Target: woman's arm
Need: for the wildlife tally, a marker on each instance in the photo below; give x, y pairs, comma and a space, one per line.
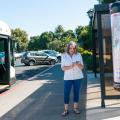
79, 65
64, 68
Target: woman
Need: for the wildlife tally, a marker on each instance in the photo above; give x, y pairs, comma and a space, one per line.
72, 66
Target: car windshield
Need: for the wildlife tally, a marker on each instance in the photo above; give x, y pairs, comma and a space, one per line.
51, 53
42, 54
25, 54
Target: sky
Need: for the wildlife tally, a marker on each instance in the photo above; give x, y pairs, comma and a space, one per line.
37, 16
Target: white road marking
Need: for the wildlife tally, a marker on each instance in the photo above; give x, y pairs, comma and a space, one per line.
40, 73
115, 118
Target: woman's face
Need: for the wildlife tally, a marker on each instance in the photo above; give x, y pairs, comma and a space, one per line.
72, 49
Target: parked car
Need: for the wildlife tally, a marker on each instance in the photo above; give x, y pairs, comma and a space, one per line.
37, 57
18, 55
53, 53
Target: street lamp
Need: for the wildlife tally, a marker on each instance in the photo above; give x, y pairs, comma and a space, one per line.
90, 15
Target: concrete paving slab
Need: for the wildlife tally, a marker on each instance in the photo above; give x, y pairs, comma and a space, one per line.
94, 110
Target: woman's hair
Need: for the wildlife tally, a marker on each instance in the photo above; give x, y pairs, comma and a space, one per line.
69, 44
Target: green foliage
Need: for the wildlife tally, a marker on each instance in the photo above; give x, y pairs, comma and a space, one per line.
59, 39
84, 52
34, 43
87, 57
59, 29
41, 42
107, 1
83, 35
68, 36
56, 45
21, 37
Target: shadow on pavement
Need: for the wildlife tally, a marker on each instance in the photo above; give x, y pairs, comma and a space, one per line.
29, 72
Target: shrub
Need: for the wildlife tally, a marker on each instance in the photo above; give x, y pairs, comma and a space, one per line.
87, 57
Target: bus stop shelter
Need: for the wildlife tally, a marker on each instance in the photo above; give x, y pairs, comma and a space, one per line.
102, 52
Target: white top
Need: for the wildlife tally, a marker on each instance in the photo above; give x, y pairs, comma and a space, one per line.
74, 73
4, 29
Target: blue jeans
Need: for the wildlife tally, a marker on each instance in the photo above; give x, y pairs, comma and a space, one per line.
76, 90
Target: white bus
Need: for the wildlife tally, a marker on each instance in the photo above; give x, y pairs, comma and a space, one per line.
7, 70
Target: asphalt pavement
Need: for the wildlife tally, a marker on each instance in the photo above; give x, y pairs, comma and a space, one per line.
26, 72
46, 102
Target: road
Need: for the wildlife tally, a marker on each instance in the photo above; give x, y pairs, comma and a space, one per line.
46, 102
25, 72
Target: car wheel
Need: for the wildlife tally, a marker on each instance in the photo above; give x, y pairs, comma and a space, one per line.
26, 64
31, 63
52, 62
59, 59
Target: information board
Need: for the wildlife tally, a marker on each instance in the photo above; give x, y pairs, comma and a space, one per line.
115, 26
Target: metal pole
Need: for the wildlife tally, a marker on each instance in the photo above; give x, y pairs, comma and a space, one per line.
12, 51
94, 53
101, 62
91, 37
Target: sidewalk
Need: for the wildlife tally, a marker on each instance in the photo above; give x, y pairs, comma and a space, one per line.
94, 110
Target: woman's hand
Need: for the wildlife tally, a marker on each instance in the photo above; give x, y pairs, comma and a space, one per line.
74, 64
67, 67
78, 64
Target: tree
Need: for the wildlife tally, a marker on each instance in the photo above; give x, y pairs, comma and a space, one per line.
69, 33
83, 35
45, 38
34, 43
59, 30
56, 45
107, 1
21, 37
78, 31
60, 38
68, 36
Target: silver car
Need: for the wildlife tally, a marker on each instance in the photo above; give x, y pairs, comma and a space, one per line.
37, 57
